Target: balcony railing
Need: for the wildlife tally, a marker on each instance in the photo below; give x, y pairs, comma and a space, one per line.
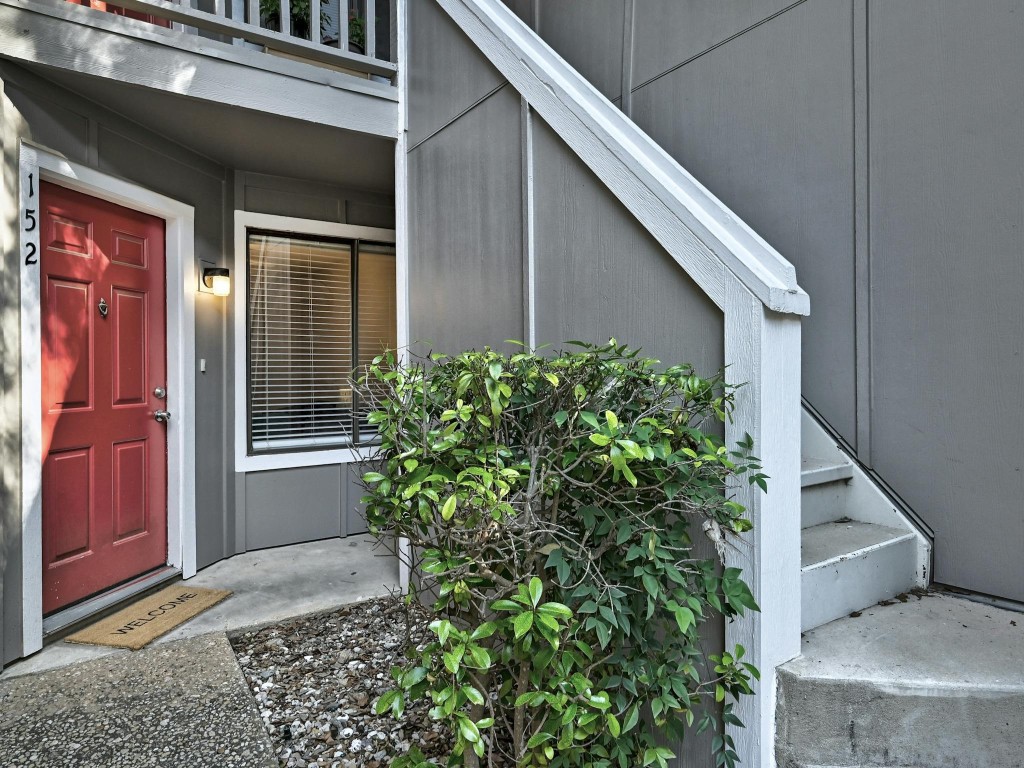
355, 36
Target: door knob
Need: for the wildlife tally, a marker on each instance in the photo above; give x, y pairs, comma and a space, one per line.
160, 393
162, 416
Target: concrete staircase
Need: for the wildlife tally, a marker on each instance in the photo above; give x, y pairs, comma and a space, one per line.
857, 548
889, 673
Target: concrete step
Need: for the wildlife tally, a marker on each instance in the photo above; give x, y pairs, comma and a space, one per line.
934, 682
824, 497
850, 565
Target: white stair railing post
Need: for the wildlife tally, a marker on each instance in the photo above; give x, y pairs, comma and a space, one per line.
285, 17
762, 352
370, 26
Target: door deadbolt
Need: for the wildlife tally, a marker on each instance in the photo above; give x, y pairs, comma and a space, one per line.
160, 393
103, 308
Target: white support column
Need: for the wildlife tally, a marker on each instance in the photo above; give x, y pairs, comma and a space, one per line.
400, 33
370, 26
285, 18
762, 351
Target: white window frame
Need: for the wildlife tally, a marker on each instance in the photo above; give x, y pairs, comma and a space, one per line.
244, 221
49, 165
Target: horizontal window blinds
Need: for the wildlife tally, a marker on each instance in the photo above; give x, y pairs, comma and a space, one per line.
310, 338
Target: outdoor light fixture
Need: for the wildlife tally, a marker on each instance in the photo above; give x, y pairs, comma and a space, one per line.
218, 280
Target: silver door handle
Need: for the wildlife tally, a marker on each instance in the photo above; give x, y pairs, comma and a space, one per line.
162, 416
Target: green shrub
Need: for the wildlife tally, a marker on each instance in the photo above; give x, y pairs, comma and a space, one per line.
549, 502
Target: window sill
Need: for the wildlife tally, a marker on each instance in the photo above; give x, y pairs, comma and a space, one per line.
269, 461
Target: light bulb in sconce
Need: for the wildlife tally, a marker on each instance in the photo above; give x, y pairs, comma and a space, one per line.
218, 280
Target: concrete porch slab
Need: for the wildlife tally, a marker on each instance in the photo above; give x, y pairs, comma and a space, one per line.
936, 682
268, 585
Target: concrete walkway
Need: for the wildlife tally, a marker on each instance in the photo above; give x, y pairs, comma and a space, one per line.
172, 705
268, 585
181, 702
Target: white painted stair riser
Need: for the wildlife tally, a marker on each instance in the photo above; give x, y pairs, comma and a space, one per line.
841, 585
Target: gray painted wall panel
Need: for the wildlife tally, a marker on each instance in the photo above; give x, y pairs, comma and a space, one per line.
293, 505
370, 215
766, 123
884, 159
589, 36
353, 514
284, 196
446, 74
601, 275
669, 32
465, 203
52, 123
524, 9
947, 238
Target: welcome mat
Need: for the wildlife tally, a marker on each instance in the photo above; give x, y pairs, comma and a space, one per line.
143, 622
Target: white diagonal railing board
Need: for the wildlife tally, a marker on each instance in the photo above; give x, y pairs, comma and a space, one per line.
253, 33
649, 181
761, 302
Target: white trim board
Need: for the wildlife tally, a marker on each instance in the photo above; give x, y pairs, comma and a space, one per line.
287, 224
48, 165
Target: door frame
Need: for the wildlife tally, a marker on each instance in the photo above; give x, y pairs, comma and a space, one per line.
47, 165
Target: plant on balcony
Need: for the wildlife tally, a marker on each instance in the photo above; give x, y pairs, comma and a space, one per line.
550, 505
300, 10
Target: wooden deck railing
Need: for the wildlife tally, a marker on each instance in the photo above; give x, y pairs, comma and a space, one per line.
358, 36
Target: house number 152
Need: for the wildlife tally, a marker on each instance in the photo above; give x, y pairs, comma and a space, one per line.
30, 222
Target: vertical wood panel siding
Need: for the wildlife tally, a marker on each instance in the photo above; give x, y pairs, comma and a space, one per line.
599, 22
670, 32
765, 122
600, 274
446, 76
465, 203
947, 238
877, 146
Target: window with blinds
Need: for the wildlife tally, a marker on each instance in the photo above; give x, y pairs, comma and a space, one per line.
319, 310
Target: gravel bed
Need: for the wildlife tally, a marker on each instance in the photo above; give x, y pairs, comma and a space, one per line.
316, 679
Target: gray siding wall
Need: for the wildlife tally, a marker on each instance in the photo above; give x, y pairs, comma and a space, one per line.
234, 513
597, 272
878, 147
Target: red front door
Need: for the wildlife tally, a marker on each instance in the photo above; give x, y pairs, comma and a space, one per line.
104, 353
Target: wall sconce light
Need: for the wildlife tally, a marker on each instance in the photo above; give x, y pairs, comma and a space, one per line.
217, 280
